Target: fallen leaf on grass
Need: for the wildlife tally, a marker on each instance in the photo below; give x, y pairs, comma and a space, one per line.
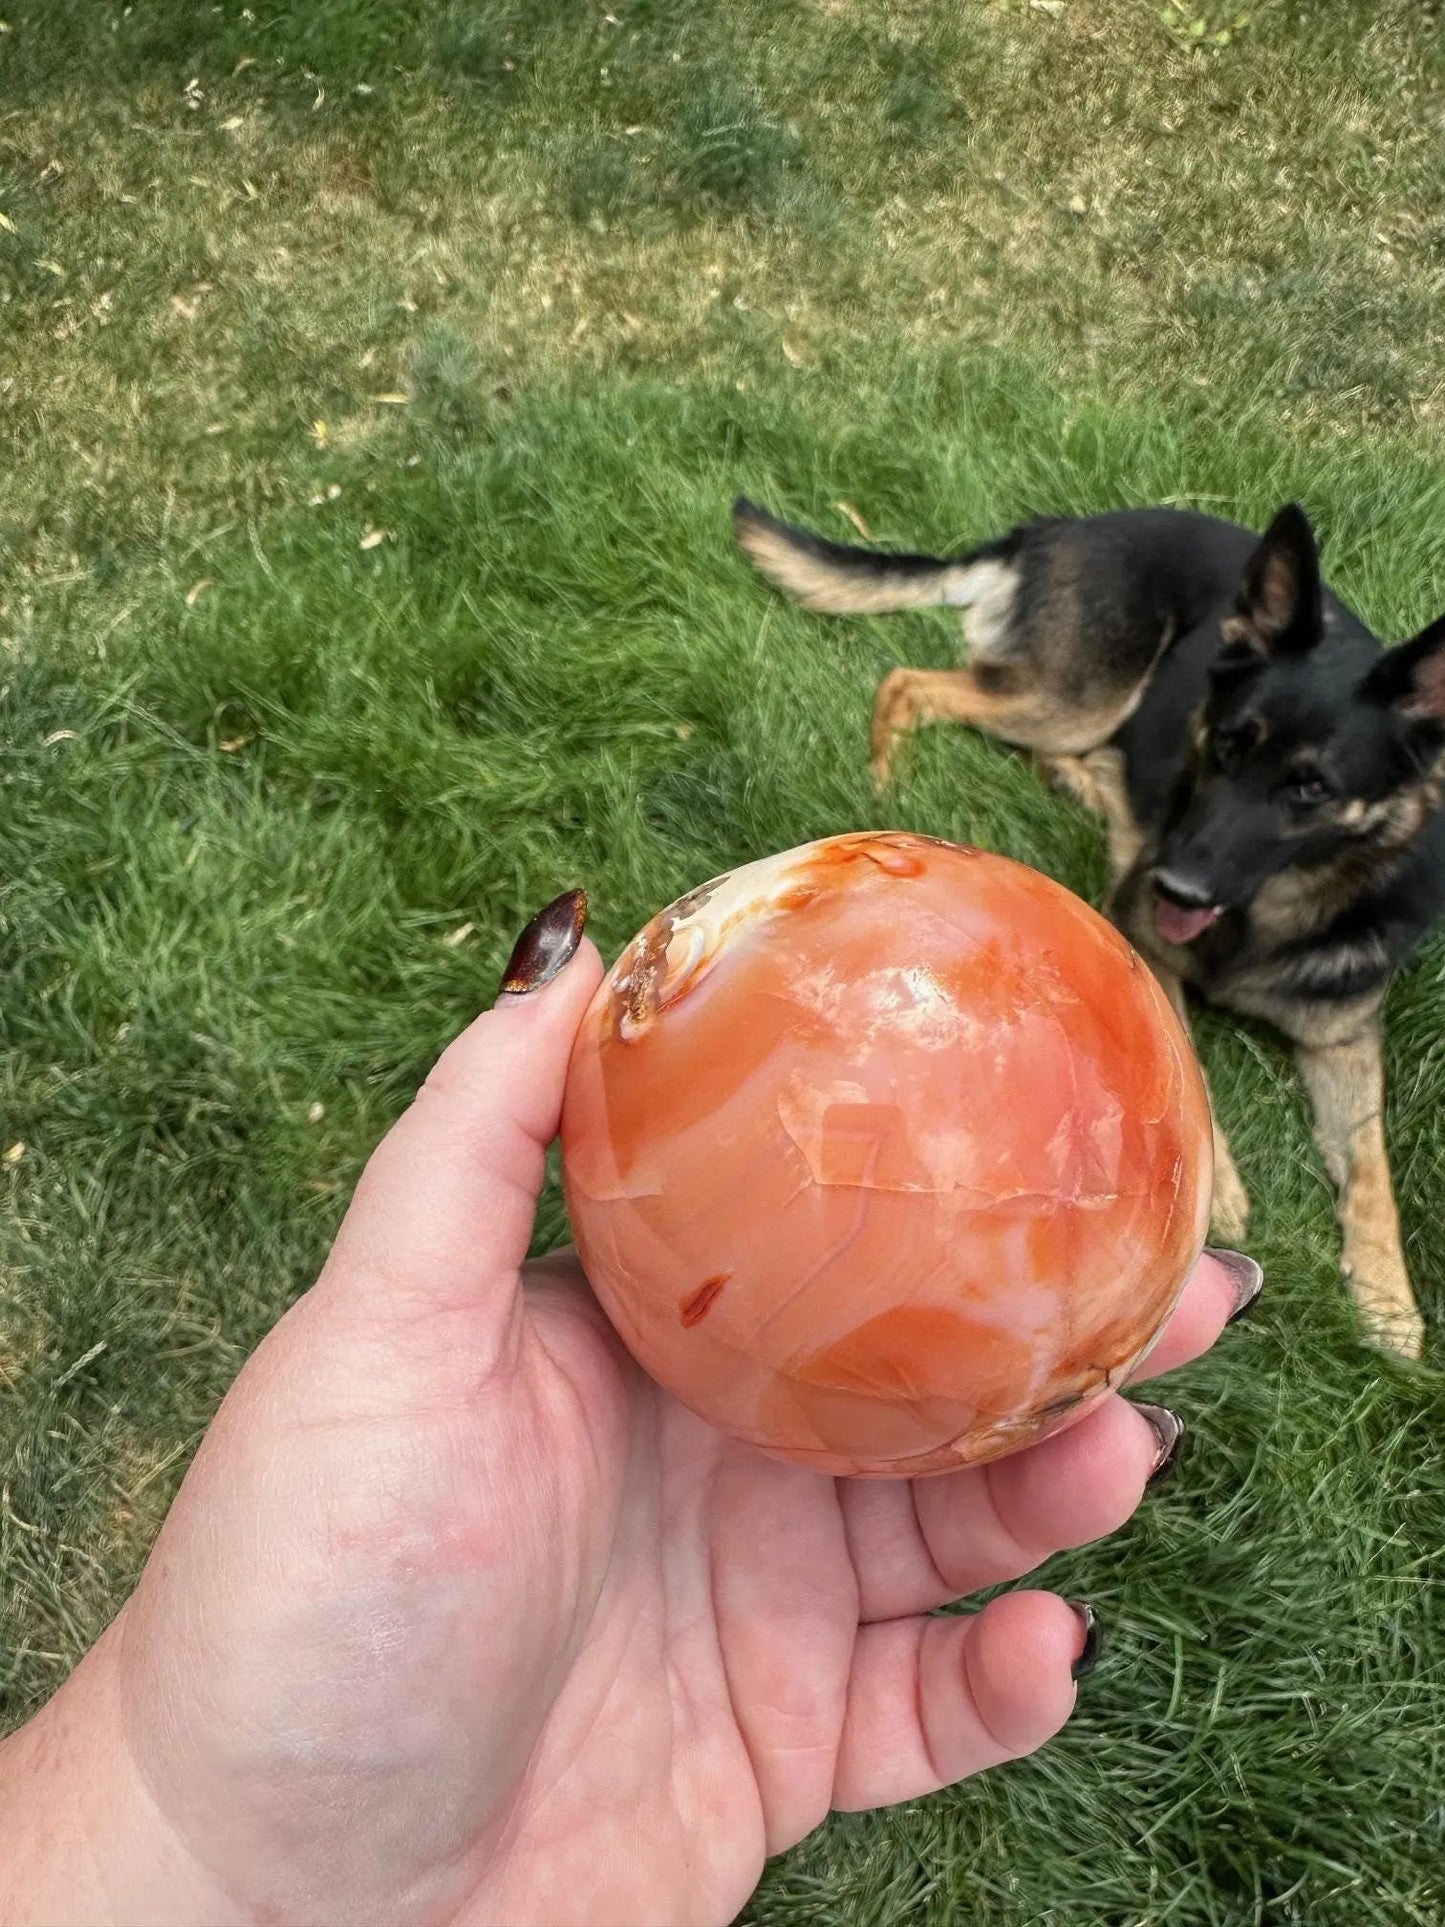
197, 590
233, 743
15, 1153
847, 508
315, 1113
454, 937
374, 538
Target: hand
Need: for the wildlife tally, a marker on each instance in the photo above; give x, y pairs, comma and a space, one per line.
458, 1618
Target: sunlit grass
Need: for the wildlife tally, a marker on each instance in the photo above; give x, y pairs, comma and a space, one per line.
367, 579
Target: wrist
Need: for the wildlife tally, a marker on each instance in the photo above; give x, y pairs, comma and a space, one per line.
82, 1841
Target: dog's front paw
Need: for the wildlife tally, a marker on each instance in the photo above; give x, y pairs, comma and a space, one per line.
1389, 1315
1229, 1214
1393, 1330
1072, 775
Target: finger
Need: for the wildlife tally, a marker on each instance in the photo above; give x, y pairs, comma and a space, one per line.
1219, 1287
931, 1701
918, 1544
443, 1214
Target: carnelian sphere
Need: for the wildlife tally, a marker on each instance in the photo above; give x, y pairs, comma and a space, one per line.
886, 1155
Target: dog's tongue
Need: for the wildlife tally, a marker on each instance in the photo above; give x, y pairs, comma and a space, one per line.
1181, 926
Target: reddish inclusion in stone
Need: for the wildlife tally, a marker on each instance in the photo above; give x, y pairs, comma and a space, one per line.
698, 1304
886, 1155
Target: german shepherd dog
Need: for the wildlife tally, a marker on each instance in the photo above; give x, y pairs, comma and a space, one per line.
1270, 778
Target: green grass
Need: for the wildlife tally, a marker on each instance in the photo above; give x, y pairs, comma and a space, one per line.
949, 264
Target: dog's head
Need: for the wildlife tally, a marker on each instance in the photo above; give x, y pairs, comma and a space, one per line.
1311, 743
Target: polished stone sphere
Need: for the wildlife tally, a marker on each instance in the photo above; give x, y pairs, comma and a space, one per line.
886, 1155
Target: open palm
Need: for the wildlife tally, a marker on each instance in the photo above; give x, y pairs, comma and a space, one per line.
458, 1618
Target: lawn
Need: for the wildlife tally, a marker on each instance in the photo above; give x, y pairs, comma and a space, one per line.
375, 379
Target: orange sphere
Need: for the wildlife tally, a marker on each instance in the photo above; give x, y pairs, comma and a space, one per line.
886, 1155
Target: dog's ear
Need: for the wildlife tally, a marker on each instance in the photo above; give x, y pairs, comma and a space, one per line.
1411, 678
1278, 610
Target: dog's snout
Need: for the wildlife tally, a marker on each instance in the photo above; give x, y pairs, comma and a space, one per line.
1188, 892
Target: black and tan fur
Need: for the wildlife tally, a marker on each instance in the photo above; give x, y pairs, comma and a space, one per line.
1269, 776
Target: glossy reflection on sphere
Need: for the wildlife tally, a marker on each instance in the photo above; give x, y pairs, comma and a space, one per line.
886, 1155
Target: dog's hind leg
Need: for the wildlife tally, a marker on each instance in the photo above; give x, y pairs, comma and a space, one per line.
909, 698
999, 698
1346, 1085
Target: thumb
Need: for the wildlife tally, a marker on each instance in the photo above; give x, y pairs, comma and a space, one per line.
443, 1215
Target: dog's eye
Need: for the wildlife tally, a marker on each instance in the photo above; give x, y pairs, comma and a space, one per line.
1307, 789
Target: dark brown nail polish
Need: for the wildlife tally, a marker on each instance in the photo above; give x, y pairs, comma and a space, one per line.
1169, 1431
1244, 1274
1093, 1640
546, 946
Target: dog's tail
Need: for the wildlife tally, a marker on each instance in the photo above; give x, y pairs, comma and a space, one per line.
845, 581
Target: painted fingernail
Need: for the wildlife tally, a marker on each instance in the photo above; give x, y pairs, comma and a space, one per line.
1244, 1274
546, 946
1093, 1644
1169, 1432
